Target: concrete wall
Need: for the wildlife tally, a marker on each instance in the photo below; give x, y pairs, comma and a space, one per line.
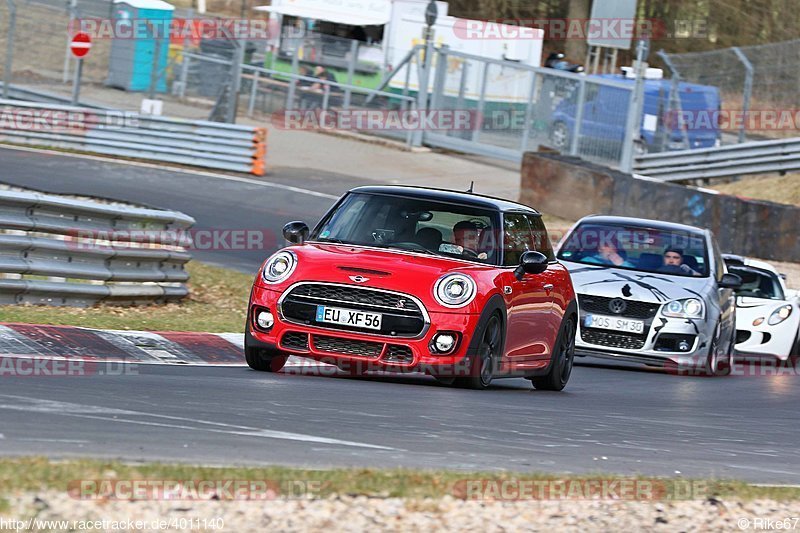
571, 188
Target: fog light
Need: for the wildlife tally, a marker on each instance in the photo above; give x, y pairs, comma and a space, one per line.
444, 343
264, 319
684, 346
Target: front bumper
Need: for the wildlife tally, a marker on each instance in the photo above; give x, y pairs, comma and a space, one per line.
658, 345
765, 340
364, 350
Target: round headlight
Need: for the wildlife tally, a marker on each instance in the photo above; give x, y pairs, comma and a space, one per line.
279, 267
675, 307
693, 307
454, 290
779, 315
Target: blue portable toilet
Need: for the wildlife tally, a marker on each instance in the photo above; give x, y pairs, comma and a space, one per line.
140, 28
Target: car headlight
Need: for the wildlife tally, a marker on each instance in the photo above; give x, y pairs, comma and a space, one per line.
688, 308
455, 290
779, 315
279, 267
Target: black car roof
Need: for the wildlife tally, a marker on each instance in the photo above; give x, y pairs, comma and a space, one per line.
634, 221
447, 196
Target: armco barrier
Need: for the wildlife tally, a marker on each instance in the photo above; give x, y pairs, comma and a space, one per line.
571, 188
197, 143
758, 157
121, 254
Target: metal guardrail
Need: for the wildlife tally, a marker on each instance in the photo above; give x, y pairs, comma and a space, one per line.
118, 133
759, 157
127, 255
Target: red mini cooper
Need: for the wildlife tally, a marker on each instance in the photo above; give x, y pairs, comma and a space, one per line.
461, 286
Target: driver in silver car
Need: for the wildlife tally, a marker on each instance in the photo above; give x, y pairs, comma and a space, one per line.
673, 263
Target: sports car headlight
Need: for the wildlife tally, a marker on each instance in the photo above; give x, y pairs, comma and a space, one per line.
779, 315
279, 267
688, 308
454, 290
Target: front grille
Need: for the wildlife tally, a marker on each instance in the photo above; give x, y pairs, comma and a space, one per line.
399, 354
323, 343
625, 341
402, 316
295, 341
355, 295
634, 309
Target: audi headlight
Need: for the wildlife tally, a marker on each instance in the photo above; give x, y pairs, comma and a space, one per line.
688, 308
779, 315
455, 290
279, 267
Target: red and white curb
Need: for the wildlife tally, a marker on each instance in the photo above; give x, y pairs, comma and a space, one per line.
142, 347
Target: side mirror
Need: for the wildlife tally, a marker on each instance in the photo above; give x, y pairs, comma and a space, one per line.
295, 232
730, 281
531, 263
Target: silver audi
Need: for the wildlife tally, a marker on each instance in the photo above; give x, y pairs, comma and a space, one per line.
651, 292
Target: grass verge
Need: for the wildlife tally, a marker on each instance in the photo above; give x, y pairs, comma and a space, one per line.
35, 473
780, 189
217, 302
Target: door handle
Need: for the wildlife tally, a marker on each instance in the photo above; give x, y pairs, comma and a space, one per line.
548, 287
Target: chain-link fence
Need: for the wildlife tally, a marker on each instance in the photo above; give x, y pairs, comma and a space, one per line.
518, 108
758, 87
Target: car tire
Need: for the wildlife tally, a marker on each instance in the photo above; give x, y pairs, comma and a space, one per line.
562, 362
487, 356
264, 360
715, 366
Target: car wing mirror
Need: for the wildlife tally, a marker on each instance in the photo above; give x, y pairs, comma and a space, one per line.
295, 232
730, 281
531, 263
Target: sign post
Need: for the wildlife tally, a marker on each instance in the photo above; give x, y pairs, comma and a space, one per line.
80, 45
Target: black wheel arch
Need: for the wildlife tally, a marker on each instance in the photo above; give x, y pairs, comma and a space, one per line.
495, 304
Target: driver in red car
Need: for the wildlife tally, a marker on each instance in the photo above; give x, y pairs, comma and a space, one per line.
466, 235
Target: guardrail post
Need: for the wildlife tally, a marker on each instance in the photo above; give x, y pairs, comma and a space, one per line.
293, 80
12, 25
476, 133
633, 124
437, 93
73, 9
748, 89
184, 75
422, 93
523, 141
253, 90
351, 70
236, 83
574, 144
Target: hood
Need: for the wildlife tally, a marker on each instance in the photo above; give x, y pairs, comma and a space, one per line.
751, 308
375, 268
635, 285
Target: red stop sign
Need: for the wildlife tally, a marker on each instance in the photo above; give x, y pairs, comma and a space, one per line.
80, 44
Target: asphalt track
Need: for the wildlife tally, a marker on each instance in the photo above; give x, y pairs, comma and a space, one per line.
611, 418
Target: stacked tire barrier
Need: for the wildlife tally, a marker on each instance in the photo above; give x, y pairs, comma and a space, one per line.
66, 252
197, 143
572, 188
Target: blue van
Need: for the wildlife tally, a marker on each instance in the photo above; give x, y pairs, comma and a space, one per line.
605, 110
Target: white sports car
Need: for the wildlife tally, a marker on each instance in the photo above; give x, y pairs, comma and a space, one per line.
767, 313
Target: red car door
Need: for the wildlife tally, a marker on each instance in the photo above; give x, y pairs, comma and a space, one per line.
529, 301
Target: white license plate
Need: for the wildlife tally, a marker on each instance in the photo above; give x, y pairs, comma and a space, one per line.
613, 323
348, 317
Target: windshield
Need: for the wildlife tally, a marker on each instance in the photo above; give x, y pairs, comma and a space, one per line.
757, 283
425, 226
637, 248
